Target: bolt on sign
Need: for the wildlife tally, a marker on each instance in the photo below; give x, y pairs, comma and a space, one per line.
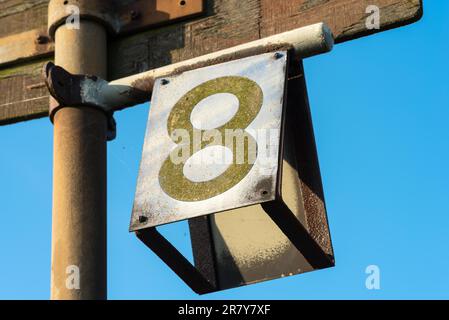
222, 140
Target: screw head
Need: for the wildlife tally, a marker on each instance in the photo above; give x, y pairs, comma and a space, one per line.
41, 39
135, 15
278, 55
143, 219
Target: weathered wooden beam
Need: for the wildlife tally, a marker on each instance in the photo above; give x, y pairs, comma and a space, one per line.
24, 95
17, 16
347, 19
226, 23
143, 14
232, 22
25, 46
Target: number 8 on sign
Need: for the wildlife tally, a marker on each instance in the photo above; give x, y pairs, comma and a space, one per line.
171, 176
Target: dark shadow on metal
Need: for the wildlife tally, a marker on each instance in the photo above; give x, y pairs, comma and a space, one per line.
204, 254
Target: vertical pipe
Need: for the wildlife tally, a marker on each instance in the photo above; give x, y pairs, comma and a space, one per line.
78, 269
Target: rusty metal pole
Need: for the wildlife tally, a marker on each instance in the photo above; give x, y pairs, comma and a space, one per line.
78, 269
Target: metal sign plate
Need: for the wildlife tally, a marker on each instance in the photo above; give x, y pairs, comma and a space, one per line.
212, 141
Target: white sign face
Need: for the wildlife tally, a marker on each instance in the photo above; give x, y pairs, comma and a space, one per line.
212, 142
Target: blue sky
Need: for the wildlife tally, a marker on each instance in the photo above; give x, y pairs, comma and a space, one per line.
380, 107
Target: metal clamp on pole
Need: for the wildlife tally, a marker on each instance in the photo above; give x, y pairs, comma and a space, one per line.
61, 83
68, 89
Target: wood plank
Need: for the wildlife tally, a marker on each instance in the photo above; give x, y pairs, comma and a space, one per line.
232, 22
24, 46
24, 95
17, 16
148, 13
228, 23
347, 19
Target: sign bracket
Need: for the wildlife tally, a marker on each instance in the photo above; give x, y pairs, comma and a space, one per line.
92, 91
292, 220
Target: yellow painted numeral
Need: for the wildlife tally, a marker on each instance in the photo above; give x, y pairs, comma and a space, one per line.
171, 176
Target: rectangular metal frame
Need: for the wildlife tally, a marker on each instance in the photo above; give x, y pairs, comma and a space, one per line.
309, 234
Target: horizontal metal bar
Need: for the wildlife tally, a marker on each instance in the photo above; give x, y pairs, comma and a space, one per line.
126, 92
